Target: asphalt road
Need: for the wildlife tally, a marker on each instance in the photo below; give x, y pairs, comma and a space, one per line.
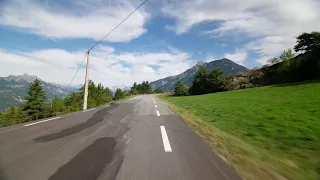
132, 140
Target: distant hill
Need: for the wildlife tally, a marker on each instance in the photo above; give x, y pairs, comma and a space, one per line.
227, 66
13, 89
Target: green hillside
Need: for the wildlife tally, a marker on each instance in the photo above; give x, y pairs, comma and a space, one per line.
268, 133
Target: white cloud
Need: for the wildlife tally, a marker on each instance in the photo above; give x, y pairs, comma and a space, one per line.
239, 56
24, 62
272, 24
87, 19
223, 45
106, 65
263, 59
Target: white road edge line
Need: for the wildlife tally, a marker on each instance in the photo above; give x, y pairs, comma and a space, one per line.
158, 114
155, 106
219, 168
41, 121
128, 141
166, 143
88, 110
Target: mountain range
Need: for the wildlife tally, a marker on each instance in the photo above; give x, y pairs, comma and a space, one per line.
227, 66
13, 89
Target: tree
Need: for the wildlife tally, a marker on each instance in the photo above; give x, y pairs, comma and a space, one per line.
119, 94
2, 119
35, 100
21, 115
199, 82
205, 82
274, 60
307, 42
158, 91
58, 105
180, 89
134, 89
216, 81
11, 115
74, 101
106, 96
286, 55
97, 96
143, 88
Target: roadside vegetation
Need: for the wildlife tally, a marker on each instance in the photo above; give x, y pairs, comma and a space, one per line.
270, 132
38, 106
287, 68
266, 133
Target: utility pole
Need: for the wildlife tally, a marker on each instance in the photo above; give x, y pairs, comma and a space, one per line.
85, 97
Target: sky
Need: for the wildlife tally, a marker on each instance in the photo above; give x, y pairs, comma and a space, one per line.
49, 38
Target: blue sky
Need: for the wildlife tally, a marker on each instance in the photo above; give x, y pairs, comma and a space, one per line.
165, 37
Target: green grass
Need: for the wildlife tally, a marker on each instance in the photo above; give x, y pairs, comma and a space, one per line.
276, 127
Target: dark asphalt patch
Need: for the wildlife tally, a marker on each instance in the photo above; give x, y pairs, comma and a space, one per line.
89, 163
96, 118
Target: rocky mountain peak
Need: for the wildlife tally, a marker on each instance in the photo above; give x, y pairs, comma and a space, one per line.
20, 78
28, 78
200, 63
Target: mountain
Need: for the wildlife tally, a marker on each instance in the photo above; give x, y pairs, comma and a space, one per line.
227, 66
13, 89
122, 87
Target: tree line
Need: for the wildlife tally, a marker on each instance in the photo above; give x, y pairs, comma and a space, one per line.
136, 89
286, 68
204, 82
37, 105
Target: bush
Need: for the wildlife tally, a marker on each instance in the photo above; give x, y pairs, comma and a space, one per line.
208, 82
158, 91
119, 94
180, 89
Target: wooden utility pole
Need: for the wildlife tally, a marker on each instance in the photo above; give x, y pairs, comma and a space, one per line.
85, 97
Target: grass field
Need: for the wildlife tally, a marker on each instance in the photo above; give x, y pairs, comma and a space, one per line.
265, 133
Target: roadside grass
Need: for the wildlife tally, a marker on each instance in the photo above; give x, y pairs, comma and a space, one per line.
269, 132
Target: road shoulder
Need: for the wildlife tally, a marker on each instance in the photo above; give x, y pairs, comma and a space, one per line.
242, 157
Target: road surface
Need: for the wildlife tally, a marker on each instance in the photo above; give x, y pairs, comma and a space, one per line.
136, 139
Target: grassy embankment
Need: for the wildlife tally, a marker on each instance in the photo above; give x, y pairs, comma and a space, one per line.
264, 133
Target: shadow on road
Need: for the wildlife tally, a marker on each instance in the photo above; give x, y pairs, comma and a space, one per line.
89, 163
96, 118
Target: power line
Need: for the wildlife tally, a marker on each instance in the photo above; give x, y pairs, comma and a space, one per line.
76, 71
118, 24
103, 39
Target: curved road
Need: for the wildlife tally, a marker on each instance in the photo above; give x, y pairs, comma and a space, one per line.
136, 139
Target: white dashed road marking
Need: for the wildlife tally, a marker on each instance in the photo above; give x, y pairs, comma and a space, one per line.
165, 139
155, 106
41, 121
158, 114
